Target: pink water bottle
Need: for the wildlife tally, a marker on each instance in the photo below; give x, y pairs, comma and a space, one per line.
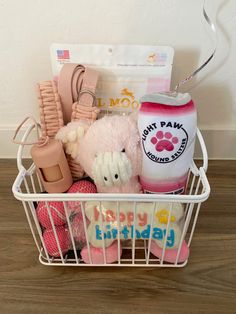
167, 124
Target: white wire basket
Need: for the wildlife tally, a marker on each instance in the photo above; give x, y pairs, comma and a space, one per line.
135, 252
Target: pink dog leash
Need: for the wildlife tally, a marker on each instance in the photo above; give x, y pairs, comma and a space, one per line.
76, 87
49, 108
74, 101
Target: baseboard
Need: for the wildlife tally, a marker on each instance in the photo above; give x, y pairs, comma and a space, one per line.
8, 149
220, 144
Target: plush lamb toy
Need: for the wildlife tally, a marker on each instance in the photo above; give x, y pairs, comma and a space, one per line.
110, 154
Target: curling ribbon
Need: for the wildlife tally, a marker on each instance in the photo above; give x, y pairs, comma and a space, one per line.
213, 28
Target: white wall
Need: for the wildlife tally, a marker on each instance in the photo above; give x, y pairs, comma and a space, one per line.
28, 27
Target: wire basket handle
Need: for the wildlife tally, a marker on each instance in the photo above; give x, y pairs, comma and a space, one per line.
203, 149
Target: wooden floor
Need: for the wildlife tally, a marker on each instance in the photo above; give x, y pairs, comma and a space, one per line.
206, 285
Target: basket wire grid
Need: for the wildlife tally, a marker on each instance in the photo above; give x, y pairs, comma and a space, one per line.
135, 252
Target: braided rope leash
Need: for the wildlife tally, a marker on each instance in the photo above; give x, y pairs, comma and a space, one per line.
50, 108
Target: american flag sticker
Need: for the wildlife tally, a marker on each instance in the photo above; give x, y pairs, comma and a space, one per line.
63, 54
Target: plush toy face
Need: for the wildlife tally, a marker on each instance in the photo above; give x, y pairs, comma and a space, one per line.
110, 150
111, 168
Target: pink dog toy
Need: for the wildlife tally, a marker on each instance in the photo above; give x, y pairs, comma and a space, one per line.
51, 243
57, 212
82, 186
110, 154
171, 254
97, 254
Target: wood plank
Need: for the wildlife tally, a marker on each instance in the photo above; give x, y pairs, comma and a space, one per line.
206, 285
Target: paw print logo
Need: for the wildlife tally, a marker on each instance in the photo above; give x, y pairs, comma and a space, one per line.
164, 141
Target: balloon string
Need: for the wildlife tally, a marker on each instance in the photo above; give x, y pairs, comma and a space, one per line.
213, 28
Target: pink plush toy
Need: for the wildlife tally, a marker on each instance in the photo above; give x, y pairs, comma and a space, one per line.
110, 154
97, 254
171, 254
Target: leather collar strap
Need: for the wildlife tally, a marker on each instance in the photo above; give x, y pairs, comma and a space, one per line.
76, 86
